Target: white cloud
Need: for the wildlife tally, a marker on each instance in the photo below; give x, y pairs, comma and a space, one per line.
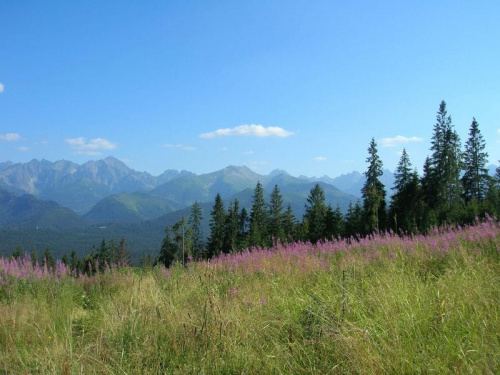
22, 148
2, 87
224, 149
498, 131
320, 158
179, 146
9, 137
399, 139
249, 130
246, 153
92, 147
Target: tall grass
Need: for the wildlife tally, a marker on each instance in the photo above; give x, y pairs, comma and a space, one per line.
386, 304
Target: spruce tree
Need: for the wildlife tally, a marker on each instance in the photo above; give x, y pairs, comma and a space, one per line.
491, 204
404, 196
123, 253
168, 250
244, 223
373, 191
18, 252
475, 179
34, 257
289, 225
338, 222
444, 187
217, 224
232, 226
258, 234
276, 214
427, 183
403, 173
316, 214
181, 237
354, 220
329, 223
48, 259
103, 255
348, 227
113, 252
74, 262
196, 231
65, 260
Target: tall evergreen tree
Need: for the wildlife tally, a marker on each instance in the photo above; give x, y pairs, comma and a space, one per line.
48, 259
354, 220
403, 173
181, 236
103, 255
276, 214
168, 250
316, 214
401, 212
427, 183
74, 262
475, 179
258, 234
329, 223
65, 260
289, 225
194, 222
445, 162
338, 222
217, 226
34, 257
18, 252
243, 231
373, 191
232, 226
113, 252
123, 253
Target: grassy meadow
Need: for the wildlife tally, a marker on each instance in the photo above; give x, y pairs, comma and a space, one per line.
387, 304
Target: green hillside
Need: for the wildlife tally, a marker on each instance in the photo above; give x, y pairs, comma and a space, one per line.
29, 212
130, 208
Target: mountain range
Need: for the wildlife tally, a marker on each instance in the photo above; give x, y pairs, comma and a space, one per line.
105, 199
108, 191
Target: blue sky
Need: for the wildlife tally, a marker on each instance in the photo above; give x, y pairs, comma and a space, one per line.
199, 85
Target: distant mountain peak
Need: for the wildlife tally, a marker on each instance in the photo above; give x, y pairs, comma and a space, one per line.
236, 170
278, 172
113, 160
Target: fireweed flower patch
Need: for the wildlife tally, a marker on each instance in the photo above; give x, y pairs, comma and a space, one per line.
387, 303
305, 257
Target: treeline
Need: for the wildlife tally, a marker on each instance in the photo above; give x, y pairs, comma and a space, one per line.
105, 256
454, 189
